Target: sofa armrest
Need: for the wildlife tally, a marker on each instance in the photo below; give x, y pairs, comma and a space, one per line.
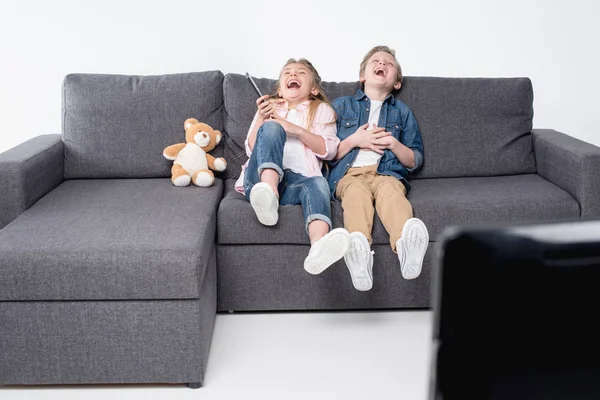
571, 164
28, 172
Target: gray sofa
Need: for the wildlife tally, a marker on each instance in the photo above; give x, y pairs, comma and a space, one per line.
110, 274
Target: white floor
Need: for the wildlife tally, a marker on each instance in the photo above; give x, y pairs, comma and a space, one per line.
293, 356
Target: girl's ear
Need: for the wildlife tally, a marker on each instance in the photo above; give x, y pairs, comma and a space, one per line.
397, 85
362, 79
314, 92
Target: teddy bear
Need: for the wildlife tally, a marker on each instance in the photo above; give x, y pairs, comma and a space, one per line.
191, 161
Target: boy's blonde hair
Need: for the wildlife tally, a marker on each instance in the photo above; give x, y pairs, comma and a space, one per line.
315, 101
376, 49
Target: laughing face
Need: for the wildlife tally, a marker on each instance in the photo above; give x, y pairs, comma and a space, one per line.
381, 71
296, 84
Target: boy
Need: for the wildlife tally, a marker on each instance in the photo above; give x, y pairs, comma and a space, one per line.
380, 144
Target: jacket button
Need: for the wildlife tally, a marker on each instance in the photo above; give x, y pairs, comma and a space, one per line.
334, 182
396, 126
367, 109
347, 123
347, 165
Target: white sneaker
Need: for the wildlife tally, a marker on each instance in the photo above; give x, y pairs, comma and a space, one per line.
359, 260
265, 203
411, 248
327, 250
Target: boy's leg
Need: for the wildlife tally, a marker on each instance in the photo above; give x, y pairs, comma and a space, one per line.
392, 206
266, 159
408, 236
354, 191
313, 194
357, 202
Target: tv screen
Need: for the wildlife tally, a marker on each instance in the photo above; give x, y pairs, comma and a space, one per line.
516, 313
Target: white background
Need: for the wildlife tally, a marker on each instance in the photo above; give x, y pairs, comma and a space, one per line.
555, 43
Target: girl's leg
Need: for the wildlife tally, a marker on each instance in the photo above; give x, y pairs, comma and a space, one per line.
317, 229
313, 194
266, 161
265, 171
270, 177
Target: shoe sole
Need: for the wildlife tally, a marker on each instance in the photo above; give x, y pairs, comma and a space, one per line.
261, 199
415, 240
337, 246
362, 278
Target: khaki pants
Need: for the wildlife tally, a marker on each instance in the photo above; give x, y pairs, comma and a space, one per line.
363, 186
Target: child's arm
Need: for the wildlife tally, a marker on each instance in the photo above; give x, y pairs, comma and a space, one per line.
362, 138
251, 137
410, 151
312, 141
404, 154
323, 141
264, 112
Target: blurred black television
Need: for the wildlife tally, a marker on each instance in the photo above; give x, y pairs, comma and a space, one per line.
516, 313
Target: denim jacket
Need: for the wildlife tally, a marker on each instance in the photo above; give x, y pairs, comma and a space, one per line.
353, 112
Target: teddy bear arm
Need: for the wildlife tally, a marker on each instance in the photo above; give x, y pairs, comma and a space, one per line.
216, 164
170, 153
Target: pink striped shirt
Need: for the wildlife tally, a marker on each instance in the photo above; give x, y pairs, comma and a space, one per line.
321, 125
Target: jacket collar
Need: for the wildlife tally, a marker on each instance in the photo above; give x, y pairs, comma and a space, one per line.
361, 95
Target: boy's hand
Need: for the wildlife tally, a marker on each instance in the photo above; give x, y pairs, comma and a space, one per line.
369, 139
387, 142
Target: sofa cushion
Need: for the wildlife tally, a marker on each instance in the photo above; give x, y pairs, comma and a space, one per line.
501, 199
438, 202
117, 125
110, 239
470, 126
473, 126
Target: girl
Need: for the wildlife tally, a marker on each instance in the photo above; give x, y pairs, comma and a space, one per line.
292, 132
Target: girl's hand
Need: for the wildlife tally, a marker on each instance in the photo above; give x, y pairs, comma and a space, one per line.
265, 108
287, 126
370, 139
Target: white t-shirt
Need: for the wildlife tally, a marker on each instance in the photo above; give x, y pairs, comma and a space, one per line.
293, 151
369, 157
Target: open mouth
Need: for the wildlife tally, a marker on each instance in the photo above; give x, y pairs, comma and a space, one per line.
379, 72
294, 84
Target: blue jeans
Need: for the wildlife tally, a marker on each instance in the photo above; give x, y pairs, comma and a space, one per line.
311, 192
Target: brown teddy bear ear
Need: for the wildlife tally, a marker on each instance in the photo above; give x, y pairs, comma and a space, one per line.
189, 123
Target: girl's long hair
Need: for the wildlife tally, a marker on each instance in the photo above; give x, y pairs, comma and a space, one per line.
315, 101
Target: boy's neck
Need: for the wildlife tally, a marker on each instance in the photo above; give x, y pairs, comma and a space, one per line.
375, 93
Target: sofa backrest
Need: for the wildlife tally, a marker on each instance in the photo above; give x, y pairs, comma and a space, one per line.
116, 126
469, 126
